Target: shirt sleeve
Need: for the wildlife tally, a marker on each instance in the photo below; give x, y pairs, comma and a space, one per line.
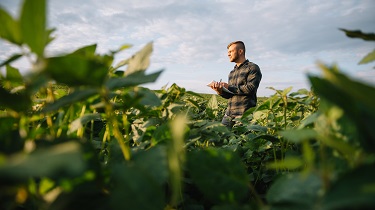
226, 95
252, 82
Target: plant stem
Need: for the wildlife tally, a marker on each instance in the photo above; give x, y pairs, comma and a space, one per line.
113, 124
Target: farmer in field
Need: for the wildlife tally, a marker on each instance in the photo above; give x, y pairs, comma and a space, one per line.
242, 86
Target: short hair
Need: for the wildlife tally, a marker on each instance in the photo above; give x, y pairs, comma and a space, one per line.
240, 45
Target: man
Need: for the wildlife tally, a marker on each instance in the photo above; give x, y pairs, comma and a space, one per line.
243, 83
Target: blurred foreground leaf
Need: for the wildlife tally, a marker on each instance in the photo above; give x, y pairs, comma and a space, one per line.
33, 25
355, 98
294, 191
62, 159
219, 175
135, 189
9, 29
354, 190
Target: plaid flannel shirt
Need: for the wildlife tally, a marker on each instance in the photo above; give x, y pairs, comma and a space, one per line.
243, 81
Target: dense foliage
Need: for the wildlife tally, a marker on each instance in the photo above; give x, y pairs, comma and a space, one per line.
79, 132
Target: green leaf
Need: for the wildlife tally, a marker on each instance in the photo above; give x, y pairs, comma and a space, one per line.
134, 188
294, 191
212, 107
214, 127
131, 80
11, 59
353, 97
123, 47
229, 207
9, 29
309, 120
340, 145
193, 102
79, 68
264, 106
86, 51
82, 121
13, 80
194, 94
248, 112
354, 190
176, 156
13, 74
57, 161
49, 38
368, 58
268, 137
138, 62
300, 92
219, 175
258, 128
11, 140
290, 163
155, 160
72, 98
286, 91
33, 25
297, 136
19, 101
149, 97
359, 34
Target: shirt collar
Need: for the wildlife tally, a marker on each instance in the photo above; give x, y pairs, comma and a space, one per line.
236, 67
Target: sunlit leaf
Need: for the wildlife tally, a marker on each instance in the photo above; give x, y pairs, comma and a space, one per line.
138, 62
212, 107
123, 47
87, 51
290, 163
264, 106
248, 112
134, 79
297, 136
286, 91
300, 92
368, 58
176, 156
82, 121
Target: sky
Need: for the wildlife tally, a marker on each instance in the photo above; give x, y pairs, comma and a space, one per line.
286, 38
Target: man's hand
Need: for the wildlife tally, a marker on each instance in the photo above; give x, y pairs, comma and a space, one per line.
218, 86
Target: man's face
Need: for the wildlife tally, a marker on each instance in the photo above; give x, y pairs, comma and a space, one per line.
232, 53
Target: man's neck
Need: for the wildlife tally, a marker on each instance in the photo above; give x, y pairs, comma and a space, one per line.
240, 61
